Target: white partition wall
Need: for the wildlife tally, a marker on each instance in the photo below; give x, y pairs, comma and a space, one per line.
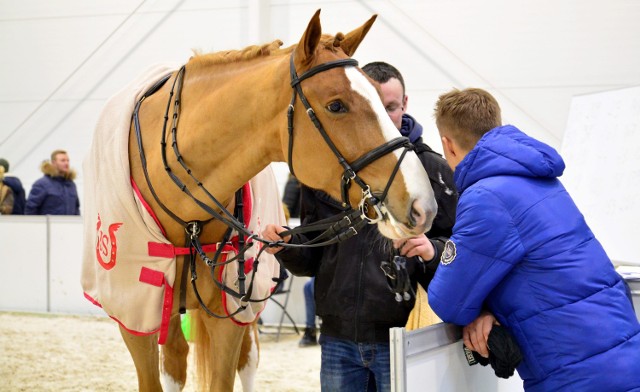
431, 359
24, 282
40, 264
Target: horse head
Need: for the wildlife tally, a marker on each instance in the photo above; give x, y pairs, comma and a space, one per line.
351, 137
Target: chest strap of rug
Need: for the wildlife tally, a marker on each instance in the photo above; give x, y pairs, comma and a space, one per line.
160, 249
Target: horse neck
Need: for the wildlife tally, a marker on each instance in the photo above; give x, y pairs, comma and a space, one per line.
234, 114
228, 130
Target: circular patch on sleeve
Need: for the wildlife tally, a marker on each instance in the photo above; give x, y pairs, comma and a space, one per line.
449, 253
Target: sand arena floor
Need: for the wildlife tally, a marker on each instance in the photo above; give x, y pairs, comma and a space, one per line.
43, 352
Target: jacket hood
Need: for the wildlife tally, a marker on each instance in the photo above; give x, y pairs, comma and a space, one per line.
410, 128
48, 169
506, 150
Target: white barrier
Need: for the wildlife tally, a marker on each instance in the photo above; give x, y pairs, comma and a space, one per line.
431, 359
41, 262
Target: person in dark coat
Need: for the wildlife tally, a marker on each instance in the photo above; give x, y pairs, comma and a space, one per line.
15, 184
522, 256
352, 295
54, 193
291, 197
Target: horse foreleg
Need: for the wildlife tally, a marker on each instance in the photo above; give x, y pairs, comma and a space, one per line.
222, 352
174, 357
249, 358
144, 351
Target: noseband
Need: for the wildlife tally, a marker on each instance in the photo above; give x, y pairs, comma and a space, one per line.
350, 170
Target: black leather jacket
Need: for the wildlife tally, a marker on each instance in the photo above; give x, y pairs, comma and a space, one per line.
352, 295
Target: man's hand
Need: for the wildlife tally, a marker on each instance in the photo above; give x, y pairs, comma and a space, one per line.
416, 246
476, 334
271, 233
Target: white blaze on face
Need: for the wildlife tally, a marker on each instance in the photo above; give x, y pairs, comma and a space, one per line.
416, 180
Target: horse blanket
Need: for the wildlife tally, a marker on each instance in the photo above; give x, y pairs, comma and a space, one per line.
129, 267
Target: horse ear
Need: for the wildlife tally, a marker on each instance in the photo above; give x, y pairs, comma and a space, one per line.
309, 41
352, 40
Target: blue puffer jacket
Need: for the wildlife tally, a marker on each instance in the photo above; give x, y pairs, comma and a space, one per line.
53, 194
522, 249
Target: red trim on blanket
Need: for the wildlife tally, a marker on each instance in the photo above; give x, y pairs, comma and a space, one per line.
131, 331
152, 277
169, 251
146, 206
247, 208
156, 278
167, 304
92, 300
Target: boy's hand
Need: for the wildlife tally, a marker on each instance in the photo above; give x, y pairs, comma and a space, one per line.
476, 334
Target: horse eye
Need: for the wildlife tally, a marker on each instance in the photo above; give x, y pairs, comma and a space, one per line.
336, 107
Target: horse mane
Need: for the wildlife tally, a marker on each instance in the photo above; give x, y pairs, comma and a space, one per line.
251, 52
232, 56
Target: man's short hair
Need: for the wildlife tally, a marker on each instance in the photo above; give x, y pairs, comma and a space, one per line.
4, 163
466, 115
381, 72
56, 153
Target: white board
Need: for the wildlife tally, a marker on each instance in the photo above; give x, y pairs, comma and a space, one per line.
601, 148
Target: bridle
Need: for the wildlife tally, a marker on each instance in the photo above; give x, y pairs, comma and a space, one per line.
336, 229
350, 172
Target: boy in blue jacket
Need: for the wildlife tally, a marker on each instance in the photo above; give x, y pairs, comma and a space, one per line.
522, 256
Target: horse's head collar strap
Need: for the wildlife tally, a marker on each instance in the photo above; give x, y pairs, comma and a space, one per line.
350, 170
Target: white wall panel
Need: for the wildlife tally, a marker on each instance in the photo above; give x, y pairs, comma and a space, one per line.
23, 264
65, 239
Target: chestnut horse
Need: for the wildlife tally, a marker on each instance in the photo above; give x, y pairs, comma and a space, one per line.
234, 121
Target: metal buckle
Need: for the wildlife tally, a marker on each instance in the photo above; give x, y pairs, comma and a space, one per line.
379, 208
192, 228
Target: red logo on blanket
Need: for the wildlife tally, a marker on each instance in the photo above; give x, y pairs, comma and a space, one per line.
106, 244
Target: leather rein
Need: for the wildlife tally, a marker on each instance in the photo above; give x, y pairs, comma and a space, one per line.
336, 229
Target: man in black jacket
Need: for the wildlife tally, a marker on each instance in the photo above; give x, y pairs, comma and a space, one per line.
352, 294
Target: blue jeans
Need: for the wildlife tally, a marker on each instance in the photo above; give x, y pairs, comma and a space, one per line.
309, 303
347, 366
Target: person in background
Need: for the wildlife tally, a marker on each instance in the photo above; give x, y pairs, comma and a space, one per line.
291, 197
522, 256
55, 192
15, 184
6, 196
352, 295
310, 337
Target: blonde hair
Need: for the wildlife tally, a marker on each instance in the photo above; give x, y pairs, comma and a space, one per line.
466, 115
56, 153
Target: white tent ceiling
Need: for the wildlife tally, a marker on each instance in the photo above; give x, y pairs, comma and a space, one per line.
62, 60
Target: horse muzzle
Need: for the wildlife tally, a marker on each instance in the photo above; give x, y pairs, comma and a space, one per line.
418, 220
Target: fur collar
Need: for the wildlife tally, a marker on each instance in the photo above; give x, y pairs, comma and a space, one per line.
50, 170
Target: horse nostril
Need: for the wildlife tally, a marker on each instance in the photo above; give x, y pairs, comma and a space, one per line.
417, 217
